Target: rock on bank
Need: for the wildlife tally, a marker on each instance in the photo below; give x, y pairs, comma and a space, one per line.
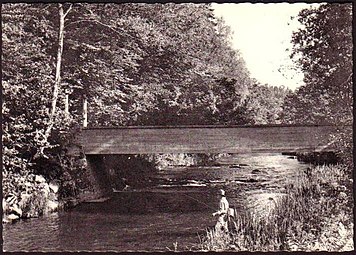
28, 196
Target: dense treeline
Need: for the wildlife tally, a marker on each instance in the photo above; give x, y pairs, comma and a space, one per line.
323, 51
264, 103
136, 64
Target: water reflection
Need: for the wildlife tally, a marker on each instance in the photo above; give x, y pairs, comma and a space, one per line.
154, 218
32, 234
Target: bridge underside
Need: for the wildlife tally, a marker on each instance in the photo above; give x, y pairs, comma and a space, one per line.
206, 139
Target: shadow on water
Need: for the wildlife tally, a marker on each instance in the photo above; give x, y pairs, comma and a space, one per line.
147, 202
176, 205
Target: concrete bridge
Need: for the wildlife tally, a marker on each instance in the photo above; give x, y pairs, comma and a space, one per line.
95, 143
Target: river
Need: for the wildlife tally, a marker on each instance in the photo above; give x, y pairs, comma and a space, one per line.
165, 216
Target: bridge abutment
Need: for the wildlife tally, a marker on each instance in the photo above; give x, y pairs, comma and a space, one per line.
98, 177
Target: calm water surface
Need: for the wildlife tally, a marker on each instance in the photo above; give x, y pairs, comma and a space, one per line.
173, 211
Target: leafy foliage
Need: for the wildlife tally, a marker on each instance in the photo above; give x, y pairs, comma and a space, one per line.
27, 77
137, 64
264, 103
323, 50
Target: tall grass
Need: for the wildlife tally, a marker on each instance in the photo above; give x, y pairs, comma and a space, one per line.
313, 204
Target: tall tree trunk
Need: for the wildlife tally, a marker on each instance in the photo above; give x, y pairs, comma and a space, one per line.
66, 105
85, 112
57, 81
58, 65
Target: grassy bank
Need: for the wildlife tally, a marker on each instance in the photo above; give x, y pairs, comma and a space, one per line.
314, 214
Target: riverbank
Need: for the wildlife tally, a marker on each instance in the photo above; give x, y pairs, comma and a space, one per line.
28, 196
315, 213
312, 213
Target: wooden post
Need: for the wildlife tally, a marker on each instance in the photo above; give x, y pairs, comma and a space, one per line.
66, 104
85, 112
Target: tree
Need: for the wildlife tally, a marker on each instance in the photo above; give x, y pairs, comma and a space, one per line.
264, 103
27, 78
323, 50
57, 82
188, 65
137, 64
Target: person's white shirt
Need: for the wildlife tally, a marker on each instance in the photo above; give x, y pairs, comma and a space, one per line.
223, 205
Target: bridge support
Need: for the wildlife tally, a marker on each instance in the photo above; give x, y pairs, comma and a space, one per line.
99, 179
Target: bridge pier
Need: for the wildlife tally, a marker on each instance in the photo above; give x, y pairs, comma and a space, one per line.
99, 179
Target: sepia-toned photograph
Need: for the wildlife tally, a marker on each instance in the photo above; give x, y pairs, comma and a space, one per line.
177, 127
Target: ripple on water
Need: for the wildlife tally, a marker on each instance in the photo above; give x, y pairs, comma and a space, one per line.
156, 217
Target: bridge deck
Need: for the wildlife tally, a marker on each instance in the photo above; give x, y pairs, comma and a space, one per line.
206, 139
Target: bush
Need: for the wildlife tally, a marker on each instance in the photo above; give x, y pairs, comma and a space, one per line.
344, 145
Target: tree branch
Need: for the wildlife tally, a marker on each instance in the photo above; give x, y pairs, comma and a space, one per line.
66, 13
348, 78
102, 24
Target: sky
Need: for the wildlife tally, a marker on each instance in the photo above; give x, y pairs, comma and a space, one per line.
262, 33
